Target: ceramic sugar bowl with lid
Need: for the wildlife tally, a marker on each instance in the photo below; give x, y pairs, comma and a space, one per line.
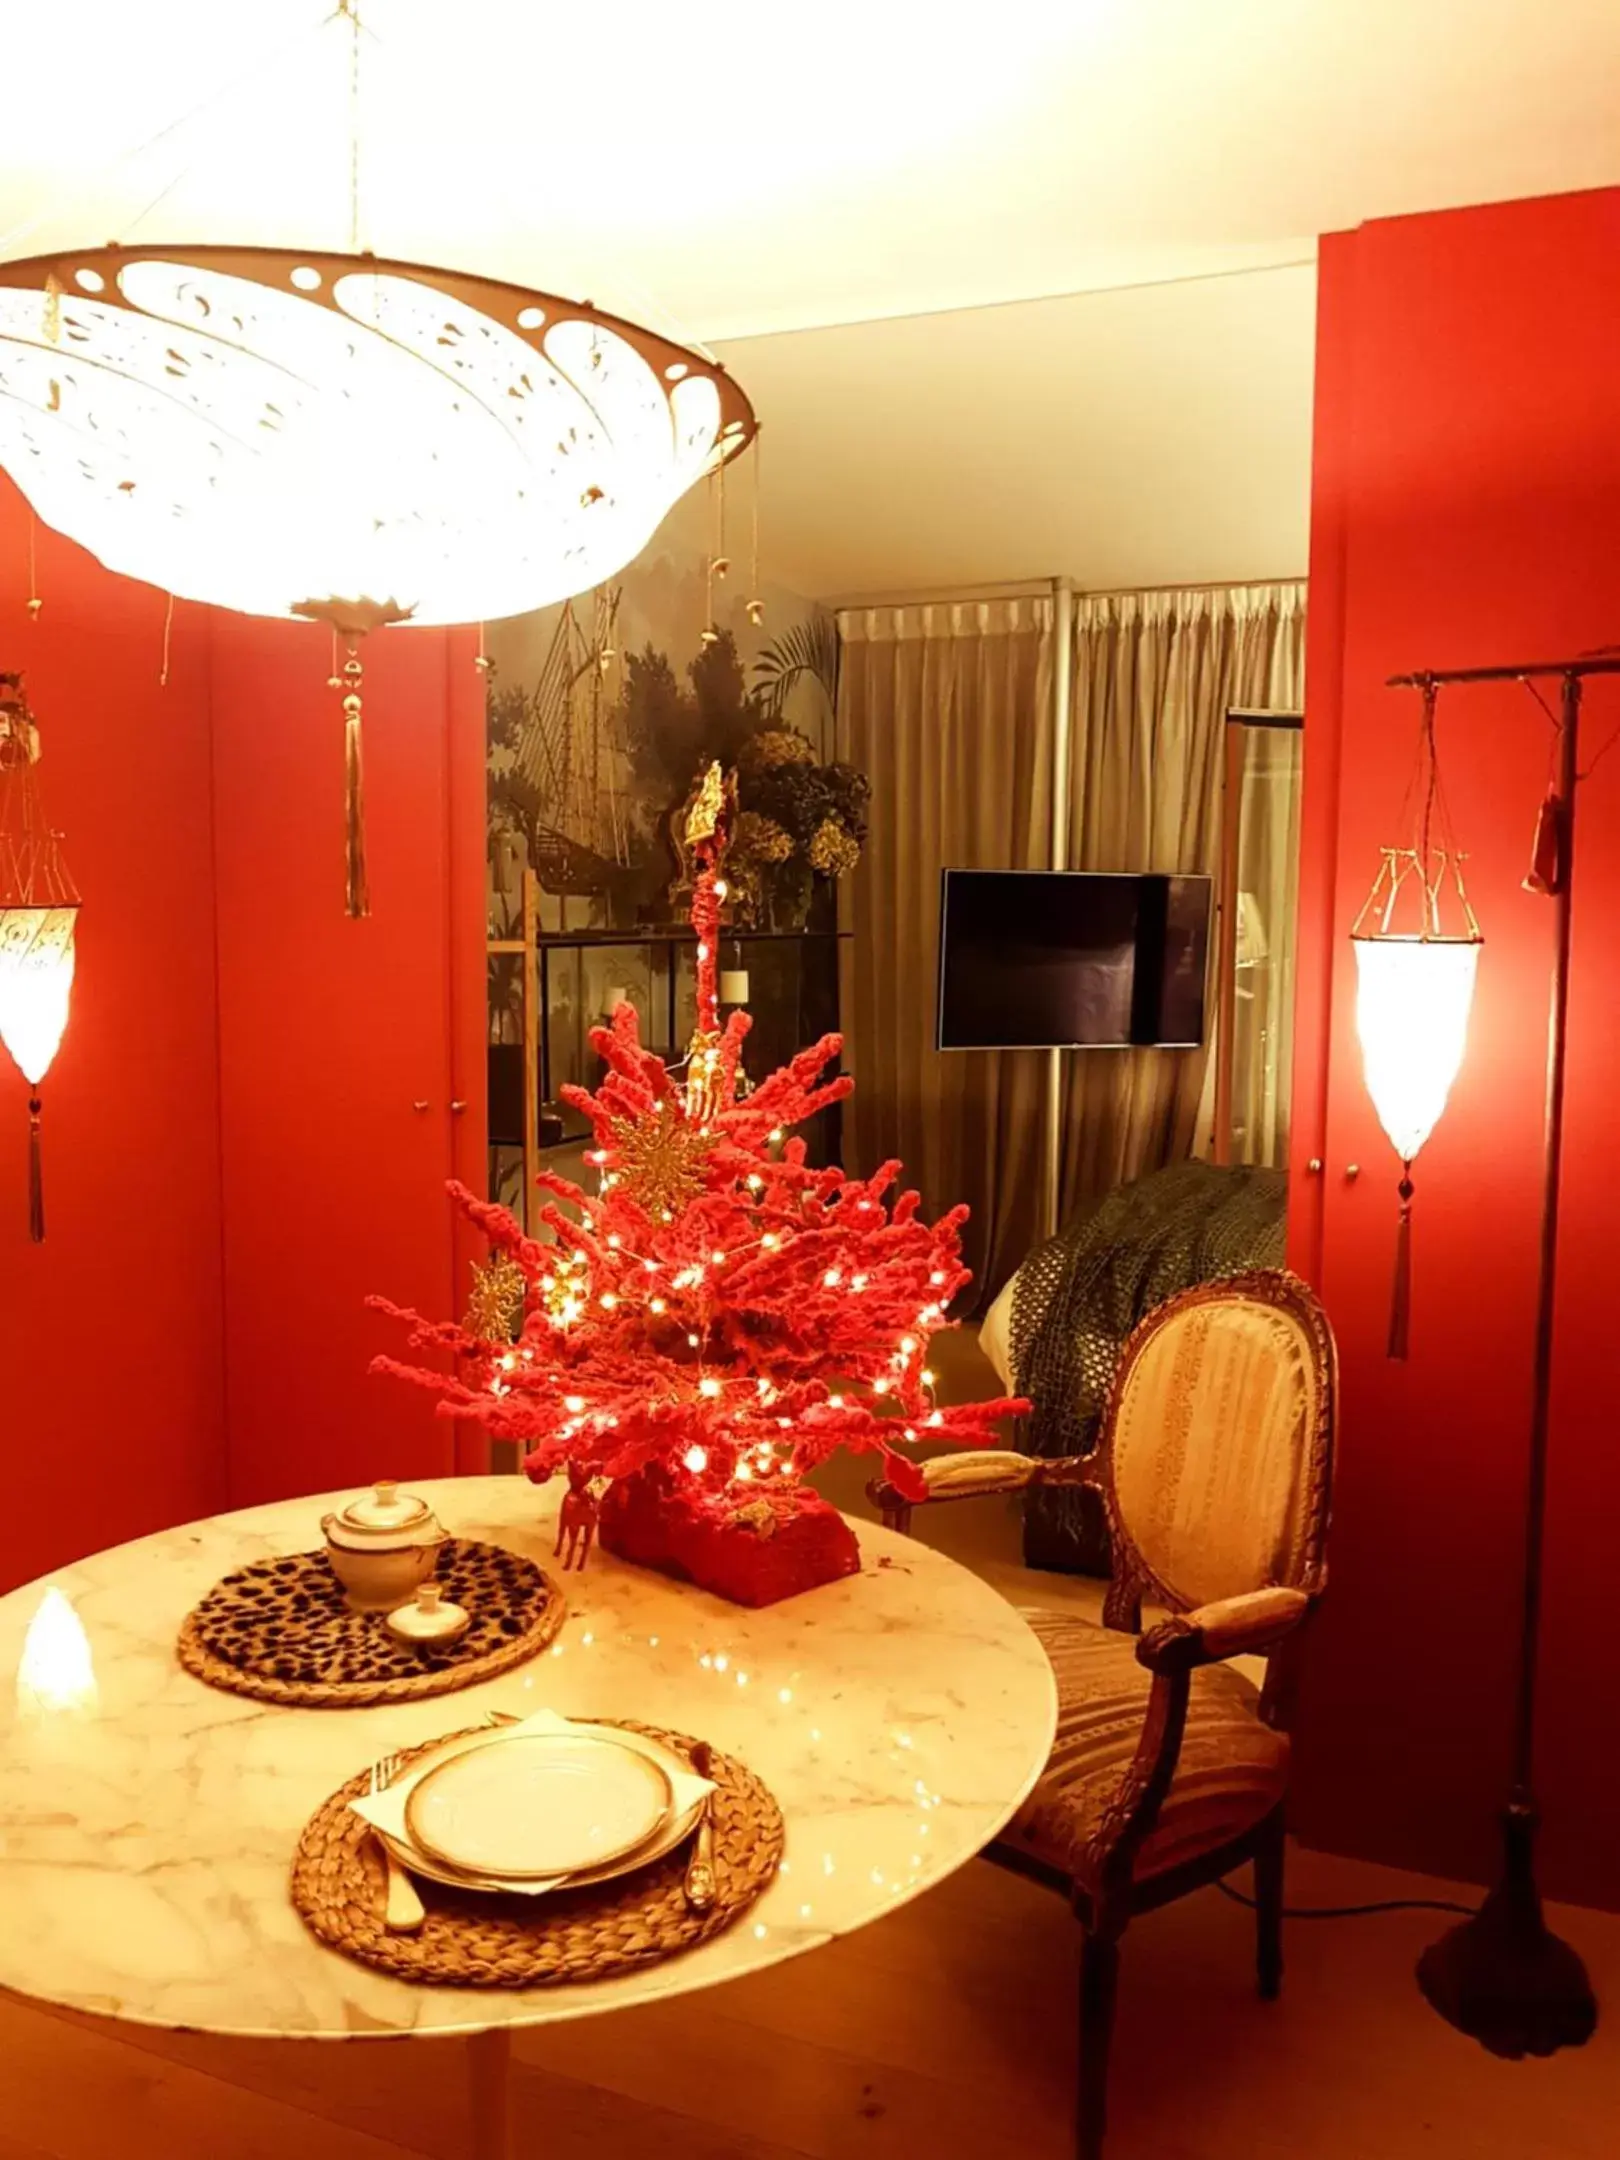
381, 1546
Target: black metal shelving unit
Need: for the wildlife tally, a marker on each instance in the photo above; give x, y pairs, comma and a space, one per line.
792, 1000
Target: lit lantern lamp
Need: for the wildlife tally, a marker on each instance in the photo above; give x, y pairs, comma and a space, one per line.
1417, 947
346, 440
39, 913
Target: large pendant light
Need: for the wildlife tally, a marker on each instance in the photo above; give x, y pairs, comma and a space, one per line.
346, 439
1417, 948
362, 442
39, 915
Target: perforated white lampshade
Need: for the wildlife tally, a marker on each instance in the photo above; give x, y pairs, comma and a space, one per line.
1413, 998
273, 431
36, 983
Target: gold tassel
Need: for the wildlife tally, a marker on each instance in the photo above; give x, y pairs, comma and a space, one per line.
1400, 1306
36, 1175
357, 890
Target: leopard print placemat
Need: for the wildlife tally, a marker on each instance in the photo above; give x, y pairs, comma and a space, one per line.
280, 1630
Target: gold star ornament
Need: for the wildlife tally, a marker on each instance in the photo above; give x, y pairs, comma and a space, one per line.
495, 1309
661, 1160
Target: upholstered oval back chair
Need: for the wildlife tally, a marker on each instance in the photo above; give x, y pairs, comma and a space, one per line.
1170, 1769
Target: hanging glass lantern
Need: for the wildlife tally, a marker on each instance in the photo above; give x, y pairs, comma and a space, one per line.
1417, 947
39, 914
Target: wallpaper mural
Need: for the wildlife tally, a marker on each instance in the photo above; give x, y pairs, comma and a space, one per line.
602, 712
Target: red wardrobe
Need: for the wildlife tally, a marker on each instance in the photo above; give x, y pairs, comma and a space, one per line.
258, 1101
1465, 510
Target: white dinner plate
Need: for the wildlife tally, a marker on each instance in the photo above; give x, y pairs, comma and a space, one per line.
675, 1832
539, 1804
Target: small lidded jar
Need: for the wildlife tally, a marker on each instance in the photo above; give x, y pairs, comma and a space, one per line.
381, 1546
430, 1619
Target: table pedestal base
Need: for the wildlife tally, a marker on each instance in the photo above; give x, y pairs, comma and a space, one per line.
489, 2056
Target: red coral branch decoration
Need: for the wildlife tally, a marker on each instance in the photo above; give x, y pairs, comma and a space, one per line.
717, 1307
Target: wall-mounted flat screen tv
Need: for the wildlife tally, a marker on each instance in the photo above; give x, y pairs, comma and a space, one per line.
1043, 959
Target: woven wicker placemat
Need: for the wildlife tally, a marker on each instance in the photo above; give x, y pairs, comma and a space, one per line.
279, 1630
471, 1939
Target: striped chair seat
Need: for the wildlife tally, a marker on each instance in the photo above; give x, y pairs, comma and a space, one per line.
1231, 1774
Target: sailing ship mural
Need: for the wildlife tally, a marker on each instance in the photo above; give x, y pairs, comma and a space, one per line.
559, 762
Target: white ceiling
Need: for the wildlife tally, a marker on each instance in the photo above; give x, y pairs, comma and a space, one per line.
729, 168
1154, 435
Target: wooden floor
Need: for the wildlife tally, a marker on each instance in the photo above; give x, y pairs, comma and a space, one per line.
946, 2029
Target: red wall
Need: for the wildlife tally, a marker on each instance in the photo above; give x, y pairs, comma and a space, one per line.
234, 1159
111, 1406
1466, 511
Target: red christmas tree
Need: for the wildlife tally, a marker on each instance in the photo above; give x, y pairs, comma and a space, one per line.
718, 1317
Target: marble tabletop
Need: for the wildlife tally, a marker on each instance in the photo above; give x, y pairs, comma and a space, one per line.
147, 1822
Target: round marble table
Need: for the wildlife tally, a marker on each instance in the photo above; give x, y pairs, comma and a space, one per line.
147, 1822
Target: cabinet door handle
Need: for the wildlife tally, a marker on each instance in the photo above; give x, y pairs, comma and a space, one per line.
418, 1107
1314, 1167
457, 1107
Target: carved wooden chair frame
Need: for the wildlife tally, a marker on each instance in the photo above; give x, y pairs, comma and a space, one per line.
1269, 1622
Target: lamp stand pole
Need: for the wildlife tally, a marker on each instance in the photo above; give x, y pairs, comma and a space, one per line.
1503, 1977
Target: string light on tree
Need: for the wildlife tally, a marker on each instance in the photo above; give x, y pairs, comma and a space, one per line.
703, 1339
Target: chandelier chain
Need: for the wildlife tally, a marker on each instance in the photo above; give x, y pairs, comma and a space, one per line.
351, 10
753, 568
254, 71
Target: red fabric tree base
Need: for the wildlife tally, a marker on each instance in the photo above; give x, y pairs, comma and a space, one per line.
754, 1552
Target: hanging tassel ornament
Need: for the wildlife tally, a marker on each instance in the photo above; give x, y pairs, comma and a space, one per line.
1400, 1301
357, 893
1417, 947
1546, 872
39, 912
715, 564
36, 1174
352, 620
756, 605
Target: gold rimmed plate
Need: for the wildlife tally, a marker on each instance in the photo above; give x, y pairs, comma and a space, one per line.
534, 1806
675, 1832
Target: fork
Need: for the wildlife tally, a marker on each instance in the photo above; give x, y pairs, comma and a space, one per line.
405, 1911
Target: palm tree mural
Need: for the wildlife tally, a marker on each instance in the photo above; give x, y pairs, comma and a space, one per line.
806, 652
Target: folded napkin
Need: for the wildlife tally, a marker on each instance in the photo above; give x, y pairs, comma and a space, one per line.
385, 1811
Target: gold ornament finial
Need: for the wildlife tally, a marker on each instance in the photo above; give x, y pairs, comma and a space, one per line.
353, 619
19, 736
662, 1157
495, 1309
703, 819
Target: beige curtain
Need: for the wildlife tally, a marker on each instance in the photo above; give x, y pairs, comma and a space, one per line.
1271, 792
1154, 676
949, 710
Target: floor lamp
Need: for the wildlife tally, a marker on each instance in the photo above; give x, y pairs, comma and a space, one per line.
1502, 1976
